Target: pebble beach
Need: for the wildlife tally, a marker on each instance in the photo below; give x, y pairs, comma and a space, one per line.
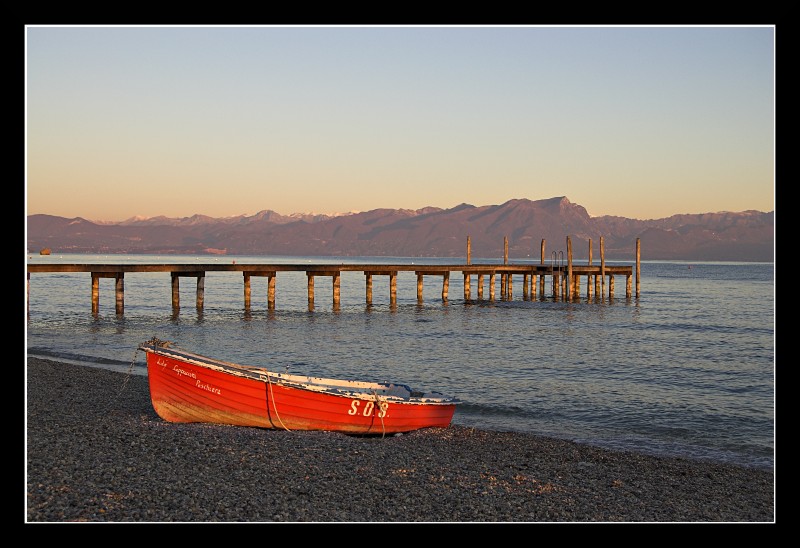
97, 452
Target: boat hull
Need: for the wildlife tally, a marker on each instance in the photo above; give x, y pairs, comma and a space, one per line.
186, 387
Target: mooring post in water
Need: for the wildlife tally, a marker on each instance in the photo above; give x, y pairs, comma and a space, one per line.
638, 265
504, 277
602, 268
542, 277
589, 277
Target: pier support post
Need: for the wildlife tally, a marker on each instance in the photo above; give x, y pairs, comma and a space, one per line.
336, 284
176, 291
201, 292
119, 292
638, 266
95, 294
271, 292
310, 290
419, 287
270, 287
602, 268
176, 298
568, 282
480, 286
491, 286
368, 275
466, 287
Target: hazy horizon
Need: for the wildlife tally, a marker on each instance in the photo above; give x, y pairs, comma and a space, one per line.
638, 122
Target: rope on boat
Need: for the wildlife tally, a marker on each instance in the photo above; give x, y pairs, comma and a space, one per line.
274, 406
154, 341
382, 406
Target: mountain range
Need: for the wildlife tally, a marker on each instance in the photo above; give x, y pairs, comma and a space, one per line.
427, 232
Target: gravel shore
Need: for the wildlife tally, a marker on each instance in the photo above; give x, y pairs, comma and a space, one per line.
97, 452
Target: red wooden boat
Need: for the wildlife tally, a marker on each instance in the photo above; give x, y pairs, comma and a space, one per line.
188, 387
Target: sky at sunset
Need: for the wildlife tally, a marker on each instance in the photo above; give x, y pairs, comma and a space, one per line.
640, 122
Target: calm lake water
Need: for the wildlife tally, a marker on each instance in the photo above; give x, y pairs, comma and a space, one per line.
687, 369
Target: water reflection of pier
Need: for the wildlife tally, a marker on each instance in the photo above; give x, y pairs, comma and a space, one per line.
564, 275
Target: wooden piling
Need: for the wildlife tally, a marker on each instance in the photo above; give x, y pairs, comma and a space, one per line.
246, 277
542, 277
271, 292
602, 268
96, 294
336, 289
638, 265
119, 292
176, 293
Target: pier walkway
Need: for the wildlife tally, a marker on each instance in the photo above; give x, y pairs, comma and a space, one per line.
564, 278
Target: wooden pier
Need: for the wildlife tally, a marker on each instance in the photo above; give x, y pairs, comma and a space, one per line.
565, 277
